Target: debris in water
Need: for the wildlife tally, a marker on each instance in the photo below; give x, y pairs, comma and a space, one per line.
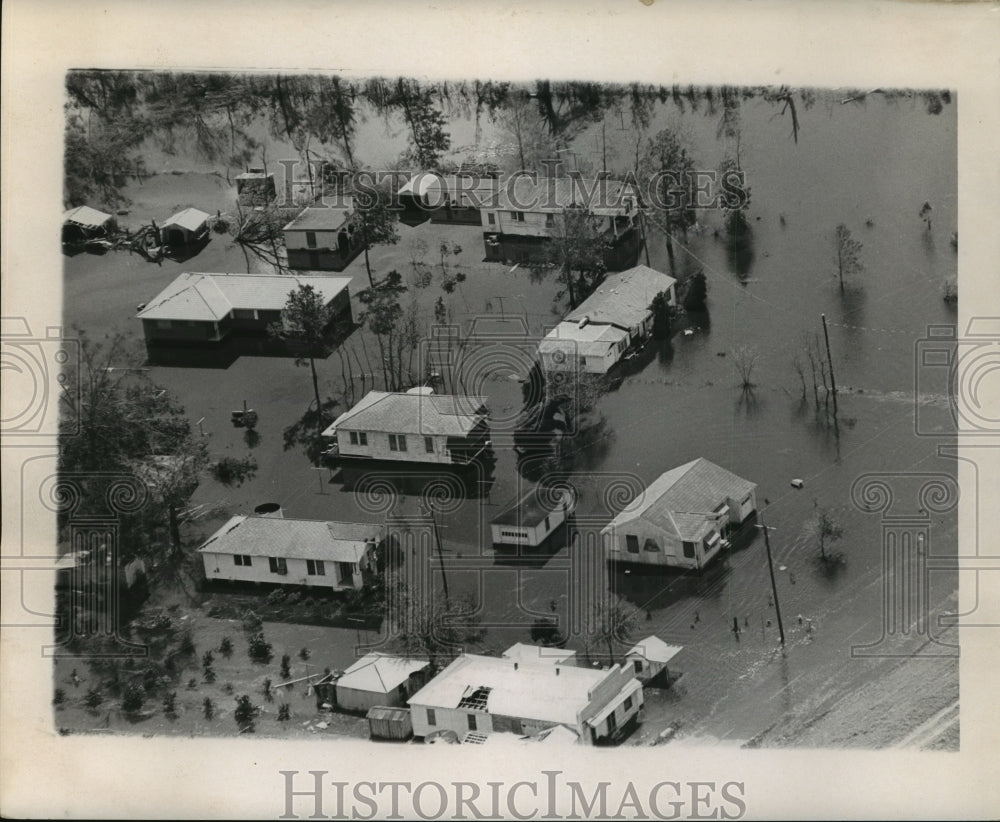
797, 483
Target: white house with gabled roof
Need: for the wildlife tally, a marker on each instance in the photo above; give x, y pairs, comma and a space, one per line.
413, 426
380, 680
681, 518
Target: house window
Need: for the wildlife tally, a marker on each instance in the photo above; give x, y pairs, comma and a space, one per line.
311, 239
632, 543
471, 718
242, 560
637, 665
346, 571
277, 565
689, 550
397, 442
550, 219
431, 717
651, 545
627, 705
491, 219
612, 723
429, 445
547, 526
315, 568
354, 437
517, 216
363, 437
747, 498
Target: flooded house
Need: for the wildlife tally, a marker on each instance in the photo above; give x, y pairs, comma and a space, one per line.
85, 223
528, 212
415, 426
273, 549
324, 238
476, 696
531, 519
447, 198
188, 227
202, 307
599, 331
381, 680
682, 517
649, 658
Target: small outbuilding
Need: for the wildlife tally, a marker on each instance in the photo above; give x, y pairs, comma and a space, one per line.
649, 657
534, 517
85, 223
185, 228
380, 680
389, 723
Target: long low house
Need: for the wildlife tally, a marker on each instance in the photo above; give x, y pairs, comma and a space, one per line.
482, 695
413, 426
201, 307
324, 238
529, 212
598, 332
281, 551
680, 519
447, 198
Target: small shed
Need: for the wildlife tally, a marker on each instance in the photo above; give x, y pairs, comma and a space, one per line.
255, 187
85, 223
187, 227
534, 517
649, 657
386, 722
380, 680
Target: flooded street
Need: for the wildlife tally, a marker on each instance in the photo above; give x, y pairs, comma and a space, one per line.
869, 165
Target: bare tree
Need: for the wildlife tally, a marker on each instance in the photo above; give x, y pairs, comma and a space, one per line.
847, 254
745, 359
824, 529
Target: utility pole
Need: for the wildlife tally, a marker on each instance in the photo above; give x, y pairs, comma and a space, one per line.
437, 540
829, 360
774, 588
642, 233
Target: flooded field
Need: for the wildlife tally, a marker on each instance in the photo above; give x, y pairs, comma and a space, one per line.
869, 165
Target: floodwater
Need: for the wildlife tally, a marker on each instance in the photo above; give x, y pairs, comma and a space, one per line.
870, 166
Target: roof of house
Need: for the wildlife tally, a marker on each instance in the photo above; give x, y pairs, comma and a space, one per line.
654, 649
386, 712
209, 297
681, 500
552, 693
430, 182
590, 340
190, 219
450, 415
623, 299
380, 673
602, 197
534, 506
538, 654
86, 216
254, 174
294, 538
323, 218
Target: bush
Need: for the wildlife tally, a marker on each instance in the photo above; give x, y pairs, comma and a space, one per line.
245, 713
276, 597
170, 703
207, 659
697, 292
260, 650
94, 698
208, 708
226, 647
209, 674
133, 698
252, 623
304, 654
192, 684
284, 712
286, 666
59, 697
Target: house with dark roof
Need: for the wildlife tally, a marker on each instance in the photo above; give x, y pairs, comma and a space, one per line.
531, 519
380, 680
204, 307
185, 228
324, 238
681, 519
477, 696
413, 426
280, 551
597, 333
528, 211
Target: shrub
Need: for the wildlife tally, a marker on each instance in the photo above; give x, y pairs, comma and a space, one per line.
94, 698
267, 691
260, 650
226, 647
252, 623
170, 703
207, 659
133, 698
284, 712
286, 666
193, 683
59, 697
304, 654
245, 713
276, 597
209, 674
208, 708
